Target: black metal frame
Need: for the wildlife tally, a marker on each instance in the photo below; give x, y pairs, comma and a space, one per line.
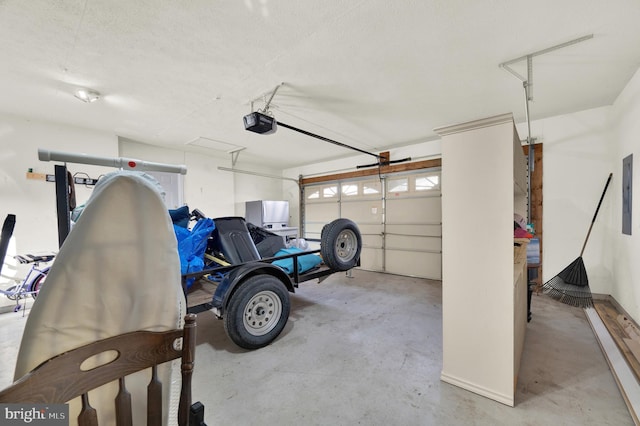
62, 203
296, 277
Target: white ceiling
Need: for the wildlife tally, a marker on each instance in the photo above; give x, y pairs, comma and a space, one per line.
373, 74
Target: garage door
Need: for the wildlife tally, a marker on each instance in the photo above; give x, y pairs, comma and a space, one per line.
358, 200
322, 205
413, 225
399, 217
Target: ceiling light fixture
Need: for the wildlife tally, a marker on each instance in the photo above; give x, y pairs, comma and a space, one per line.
87, 95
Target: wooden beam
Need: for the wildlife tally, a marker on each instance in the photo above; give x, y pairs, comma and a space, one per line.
374, 171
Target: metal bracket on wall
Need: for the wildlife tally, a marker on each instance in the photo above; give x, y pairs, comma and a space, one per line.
530, 56
527, 84
78, 180
234, 155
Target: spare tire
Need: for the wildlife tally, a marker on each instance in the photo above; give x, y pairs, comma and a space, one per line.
340, 244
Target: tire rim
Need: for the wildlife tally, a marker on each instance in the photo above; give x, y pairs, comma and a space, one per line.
262, 313
37, 286
12, 296
346, 245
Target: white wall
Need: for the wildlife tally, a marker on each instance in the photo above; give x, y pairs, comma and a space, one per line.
215, 192
33, 201
478, 292
626, 248
205, 187
577, 158
252, 188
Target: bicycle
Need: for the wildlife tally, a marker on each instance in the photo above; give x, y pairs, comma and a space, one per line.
32, 283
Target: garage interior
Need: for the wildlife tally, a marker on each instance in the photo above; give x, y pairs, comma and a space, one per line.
409, 336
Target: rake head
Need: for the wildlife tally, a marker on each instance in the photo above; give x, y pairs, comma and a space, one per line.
567, 293
575, 273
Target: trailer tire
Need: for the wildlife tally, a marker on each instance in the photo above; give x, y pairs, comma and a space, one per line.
340, 244
257, 311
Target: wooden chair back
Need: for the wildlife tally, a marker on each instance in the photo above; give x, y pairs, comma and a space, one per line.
61, 378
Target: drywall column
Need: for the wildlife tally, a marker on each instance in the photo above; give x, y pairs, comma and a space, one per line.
477, 257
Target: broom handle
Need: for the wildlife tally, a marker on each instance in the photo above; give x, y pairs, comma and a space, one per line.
596, 214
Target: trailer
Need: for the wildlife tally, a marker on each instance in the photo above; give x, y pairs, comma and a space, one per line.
250, 292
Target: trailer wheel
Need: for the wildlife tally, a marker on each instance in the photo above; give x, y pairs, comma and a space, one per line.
257, 311
340, 244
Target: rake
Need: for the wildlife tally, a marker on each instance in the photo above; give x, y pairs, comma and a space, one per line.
571, 285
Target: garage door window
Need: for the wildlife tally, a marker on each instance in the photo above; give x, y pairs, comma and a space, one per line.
371, 188
318, 193
330, 191
427, 183
349, 189
399, 185
313, 194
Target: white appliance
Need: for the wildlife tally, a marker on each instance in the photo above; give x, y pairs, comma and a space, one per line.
271, 215
267, 214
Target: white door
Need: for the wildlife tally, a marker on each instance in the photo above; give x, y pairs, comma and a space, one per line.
173, 185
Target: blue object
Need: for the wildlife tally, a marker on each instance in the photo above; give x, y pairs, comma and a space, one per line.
533, 251
180, 216
305, 262
192, 245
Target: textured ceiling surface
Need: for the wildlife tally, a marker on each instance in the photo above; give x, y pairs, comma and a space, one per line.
373, 74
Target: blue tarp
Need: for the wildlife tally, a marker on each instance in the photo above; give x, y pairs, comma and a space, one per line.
305, 262
192, 245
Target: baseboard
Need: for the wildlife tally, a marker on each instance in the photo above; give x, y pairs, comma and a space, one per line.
480, 390
622, 374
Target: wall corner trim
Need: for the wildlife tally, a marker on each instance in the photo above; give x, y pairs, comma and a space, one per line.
475, 124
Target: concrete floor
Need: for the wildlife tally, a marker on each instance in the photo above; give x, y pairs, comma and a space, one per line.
368, 350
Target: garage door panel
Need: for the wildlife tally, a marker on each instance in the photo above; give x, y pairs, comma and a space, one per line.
395, 242
369, 229
417, 229
411, 220
374, 241
312, 233
371, 259
320, 212
371, 234
363, 211
426, 265
413, 232
404, 210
